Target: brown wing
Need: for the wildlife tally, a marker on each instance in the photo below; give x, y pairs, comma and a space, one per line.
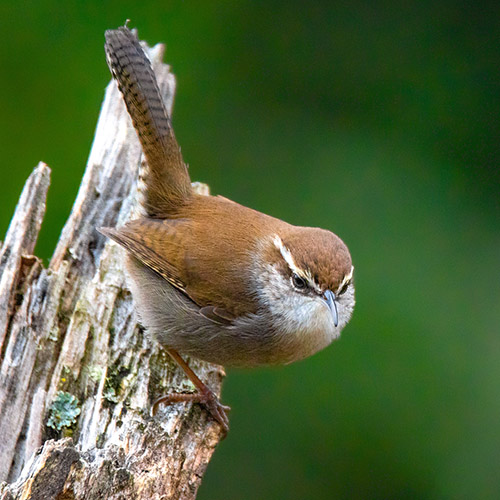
213, 267
137, 245
159, 245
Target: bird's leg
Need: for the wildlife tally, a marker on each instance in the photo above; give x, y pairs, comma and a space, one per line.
204, 395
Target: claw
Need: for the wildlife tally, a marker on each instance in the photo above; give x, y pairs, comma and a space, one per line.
207, 398
216, 409
204, 395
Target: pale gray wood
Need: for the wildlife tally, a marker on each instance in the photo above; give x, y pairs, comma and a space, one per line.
71, 327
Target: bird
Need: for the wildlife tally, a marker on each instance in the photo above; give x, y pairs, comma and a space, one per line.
210, 278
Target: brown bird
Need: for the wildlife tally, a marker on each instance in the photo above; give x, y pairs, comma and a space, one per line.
211, 278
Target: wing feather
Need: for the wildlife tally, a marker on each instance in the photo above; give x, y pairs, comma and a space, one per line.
135, 244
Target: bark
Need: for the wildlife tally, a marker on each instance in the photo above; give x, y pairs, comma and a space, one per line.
78, 376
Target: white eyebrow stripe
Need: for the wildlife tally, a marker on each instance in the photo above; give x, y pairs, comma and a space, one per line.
287, 255
346, 279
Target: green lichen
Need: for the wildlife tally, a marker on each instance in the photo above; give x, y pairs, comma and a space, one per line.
95, 372
117, 381
109, 394
64, 411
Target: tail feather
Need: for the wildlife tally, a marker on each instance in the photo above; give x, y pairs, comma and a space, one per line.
164, 182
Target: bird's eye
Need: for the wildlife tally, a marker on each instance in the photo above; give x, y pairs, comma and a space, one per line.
298, 282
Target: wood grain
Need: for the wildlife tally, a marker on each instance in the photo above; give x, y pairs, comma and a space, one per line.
70, 328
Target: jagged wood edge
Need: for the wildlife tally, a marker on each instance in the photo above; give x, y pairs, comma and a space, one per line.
71, 327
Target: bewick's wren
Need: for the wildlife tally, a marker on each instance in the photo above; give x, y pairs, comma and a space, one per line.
213, 279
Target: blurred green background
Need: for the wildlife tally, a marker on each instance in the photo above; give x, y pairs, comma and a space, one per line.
378, 121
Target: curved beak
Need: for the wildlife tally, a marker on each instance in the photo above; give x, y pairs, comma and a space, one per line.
329, 296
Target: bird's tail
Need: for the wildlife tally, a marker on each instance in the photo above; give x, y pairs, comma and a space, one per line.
164, 182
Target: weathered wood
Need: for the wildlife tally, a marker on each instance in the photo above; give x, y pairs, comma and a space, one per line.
77, 375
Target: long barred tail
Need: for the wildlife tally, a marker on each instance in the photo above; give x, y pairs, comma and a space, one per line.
165, 179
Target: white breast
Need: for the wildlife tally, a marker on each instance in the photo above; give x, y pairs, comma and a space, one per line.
303, 322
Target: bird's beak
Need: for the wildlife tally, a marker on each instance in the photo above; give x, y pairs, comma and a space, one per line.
329, 296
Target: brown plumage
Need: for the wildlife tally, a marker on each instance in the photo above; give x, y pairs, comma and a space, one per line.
214, 269
212, 278
166, 181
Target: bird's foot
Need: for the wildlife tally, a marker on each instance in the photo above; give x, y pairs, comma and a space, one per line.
205, 397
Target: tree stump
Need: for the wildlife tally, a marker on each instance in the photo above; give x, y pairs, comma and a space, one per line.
78, 376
